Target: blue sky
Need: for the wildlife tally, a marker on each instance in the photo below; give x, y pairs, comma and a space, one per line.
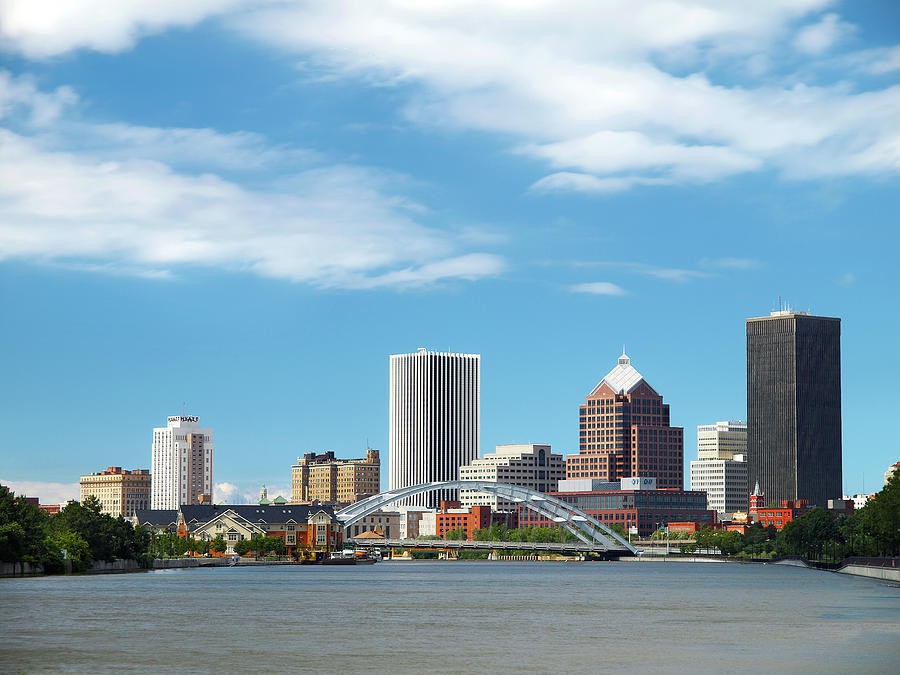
247, 206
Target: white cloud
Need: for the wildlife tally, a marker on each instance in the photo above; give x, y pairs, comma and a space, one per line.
820, 37
846, 279
22, 94
729, 263
606, 152
226, 493
566, 181
676, 274
44, 28
884, 60
580, 85
46, 492
206, 148
115, 201
610, 96
598, 288
246, 493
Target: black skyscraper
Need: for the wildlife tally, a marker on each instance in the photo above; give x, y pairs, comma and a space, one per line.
794, 406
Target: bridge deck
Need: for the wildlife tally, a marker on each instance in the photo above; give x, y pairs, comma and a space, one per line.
557, 547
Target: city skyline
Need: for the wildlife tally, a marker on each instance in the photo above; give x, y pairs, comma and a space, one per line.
246, 207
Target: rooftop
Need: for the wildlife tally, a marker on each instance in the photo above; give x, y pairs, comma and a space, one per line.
623, 378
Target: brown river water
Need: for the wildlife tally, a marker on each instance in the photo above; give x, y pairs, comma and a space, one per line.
405, 617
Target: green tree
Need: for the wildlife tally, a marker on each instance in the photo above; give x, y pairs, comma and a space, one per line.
457, 534
810, 534
77, 552
729, 542
12, 542
218, 544
23, 528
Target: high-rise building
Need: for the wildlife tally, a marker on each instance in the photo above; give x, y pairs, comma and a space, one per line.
324, 478
794, 406
121, 493
725, 483
721, 440
720, 469
624, 431
182, 463
435, 420
528, 465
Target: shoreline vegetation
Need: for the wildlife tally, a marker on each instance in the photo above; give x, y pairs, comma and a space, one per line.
80, 535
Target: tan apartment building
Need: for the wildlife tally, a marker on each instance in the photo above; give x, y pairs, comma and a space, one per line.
120, 492
325, 478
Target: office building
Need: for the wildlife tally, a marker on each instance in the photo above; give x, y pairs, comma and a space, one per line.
720, 469
725, 483
632, 503
435, 420
721, 440
182, 463
121, 493
794, 406
325, 478
624, 431
531, 466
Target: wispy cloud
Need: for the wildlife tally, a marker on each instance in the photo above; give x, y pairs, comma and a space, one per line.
823, 35
41, 30
729, 263
676, 274
46, 492
118, 200
598, 288
846, 279
244, 492
586, 88
610, 98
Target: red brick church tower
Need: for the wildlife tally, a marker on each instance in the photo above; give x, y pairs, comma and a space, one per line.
757, 500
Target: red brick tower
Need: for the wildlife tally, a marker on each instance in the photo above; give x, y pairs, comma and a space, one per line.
757, 500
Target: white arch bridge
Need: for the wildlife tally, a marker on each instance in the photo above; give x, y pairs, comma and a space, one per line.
593, 533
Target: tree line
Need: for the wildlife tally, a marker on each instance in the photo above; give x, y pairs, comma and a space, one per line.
818, 534
79, 534
500, 532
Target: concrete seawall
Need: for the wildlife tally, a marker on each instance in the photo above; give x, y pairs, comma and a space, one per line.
175, 563
872, 571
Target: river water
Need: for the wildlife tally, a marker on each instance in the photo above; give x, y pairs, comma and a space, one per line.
397, 617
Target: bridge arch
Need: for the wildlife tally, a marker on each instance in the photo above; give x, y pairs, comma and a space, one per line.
585, 527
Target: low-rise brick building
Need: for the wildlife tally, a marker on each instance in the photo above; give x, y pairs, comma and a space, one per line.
643, 508
451, 516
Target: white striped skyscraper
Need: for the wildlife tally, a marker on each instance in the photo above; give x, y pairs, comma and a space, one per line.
435, 419
182, 463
